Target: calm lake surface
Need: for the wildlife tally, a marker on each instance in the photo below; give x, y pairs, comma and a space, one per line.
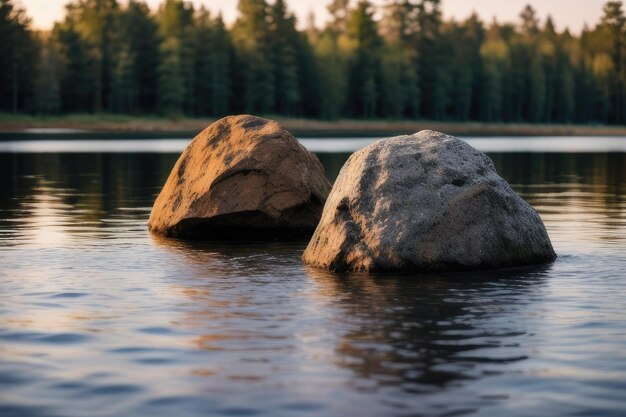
98, 318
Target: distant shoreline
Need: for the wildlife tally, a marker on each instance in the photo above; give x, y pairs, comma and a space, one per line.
24, 126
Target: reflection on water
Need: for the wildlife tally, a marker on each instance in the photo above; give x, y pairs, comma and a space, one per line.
99, 318
422, 332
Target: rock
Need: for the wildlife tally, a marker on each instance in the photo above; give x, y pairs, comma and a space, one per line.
242, 177
425, 202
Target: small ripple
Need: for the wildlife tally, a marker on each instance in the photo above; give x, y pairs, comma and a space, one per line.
68, 295
69, 386
9, 380
49, 305
141, 349
35, 337
237, 411
114, 389
478, 359
64, 338
156, 330
164, 401
131, 350
494, 397
461, 412
24, 411
304, 406
154, 361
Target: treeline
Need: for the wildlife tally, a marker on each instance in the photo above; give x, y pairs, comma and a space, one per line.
410, 63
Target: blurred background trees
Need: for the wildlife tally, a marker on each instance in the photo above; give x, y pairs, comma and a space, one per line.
402, 60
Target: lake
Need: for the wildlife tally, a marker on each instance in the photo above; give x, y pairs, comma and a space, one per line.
99, 318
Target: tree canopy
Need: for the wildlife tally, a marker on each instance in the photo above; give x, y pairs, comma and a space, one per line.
402, 60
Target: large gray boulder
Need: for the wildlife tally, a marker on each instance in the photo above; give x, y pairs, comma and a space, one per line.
425, 202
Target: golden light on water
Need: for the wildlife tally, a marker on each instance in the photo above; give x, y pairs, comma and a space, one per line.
45, 223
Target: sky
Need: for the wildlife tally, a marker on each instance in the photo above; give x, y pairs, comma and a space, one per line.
565, 13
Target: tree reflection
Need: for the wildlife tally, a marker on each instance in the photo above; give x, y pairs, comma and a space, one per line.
426, 331
80, 193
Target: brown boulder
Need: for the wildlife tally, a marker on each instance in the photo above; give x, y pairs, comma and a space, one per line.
242, 177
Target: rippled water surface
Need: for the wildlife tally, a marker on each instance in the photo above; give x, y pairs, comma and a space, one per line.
98, 318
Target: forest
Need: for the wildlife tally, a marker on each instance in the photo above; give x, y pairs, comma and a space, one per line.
402, 60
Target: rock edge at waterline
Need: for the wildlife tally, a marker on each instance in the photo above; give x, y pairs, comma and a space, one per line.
425, 202
243, 177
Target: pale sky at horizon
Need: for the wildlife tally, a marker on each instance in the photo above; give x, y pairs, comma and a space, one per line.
565, 13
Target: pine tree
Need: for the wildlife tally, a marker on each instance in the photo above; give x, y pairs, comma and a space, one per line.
467, 79
435, 66
204, 62
47, 86
171, 87
251, 38
393, 93
494, 55
365, 61
400, 83
530, 21
537, 87
284, 39
222, 64
77, 69
583, 86
176, 27
615, 21
18, 59
138, 38
331, 69
560, 103
96, 22
124, 84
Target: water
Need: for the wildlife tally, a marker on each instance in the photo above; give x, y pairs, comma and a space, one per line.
99, 318
563, 144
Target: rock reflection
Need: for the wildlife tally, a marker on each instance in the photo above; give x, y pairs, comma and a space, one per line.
254, 258
425, 332
236, 294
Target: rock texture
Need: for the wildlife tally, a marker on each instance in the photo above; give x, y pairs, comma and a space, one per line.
425, 202
242, 177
